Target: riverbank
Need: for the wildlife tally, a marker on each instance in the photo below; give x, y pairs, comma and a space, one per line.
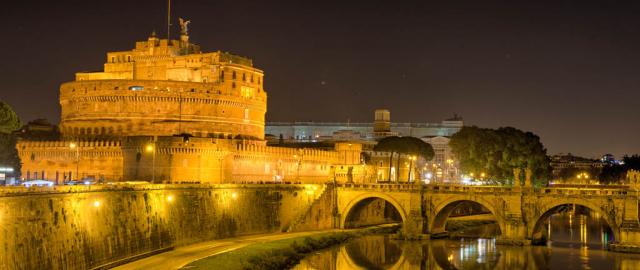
181, 256
281, 254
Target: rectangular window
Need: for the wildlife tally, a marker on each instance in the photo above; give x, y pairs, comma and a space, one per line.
247, 92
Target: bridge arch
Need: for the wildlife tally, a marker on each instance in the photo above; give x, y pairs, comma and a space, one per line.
443, 209
348, 208
353, 257
552, 208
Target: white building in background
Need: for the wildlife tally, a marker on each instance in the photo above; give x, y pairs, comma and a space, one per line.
380, 127
443, 167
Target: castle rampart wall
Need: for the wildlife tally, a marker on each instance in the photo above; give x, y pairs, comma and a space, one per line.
58, 161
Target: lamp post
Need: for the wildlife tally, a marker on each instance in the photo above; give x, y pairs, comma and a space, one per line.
151, 148
299, 162
75, 146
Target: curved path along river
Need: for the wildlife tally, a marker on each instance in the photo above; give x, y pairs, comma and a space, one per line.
181, 256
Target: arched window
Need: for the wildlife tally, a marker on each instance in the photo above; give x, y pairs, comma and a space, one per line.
222, 76
233, 75
233, 85
244, 77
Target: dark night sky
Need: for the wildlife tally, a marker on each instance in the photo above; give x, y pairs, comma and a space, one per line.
564, 70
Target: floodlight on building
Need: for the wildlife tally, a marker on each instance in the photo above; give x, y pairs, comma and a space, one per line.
96, 203
170, 198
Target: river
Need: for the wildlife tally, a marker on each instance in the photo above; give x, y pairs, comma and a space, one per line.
578, 241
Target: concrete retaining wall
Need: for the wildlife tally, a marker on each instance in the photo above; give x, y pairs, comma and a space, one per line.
85, 227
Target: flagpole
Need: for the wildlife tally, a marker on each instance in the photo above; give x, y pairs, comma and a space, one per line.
169, 20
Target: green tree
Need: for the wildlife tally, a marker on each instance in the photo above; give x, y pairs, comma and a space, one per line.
615, 173
497, 152
390, 145
9, 123
404, 146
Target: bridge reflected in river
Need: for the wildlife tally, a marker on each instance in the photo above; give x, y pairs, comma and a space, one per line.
578, 240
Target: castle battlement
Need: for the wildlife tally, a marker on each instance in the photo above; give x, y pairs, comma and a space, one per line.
287, 153
66, 144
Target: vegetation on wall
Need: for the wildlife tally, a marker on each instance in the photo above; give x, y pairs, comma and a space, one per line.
497, 152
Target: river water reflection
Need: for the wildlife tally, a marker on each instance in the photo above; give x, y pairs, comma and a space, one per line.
577, 242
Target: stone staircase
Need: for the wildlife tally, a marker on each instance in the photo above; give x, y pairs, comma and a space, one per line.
318, 203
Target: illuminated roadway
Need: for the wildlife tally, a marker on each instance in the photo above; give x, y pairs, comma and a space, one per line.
181, 256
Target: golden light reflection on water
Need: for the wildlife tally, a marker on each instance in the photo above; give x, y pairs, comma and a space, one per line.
579, 243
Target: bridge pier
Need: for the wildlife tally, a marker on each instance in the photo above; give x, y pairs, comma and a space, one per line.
514, 232
629, 241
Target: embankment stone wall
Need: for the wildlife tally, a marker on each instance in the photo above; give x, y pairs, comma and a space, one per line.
83, 227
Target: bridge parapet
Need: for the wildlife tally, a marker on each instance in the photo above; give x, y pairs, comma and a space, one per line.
9, 191
471, 189
381, 187
587, 191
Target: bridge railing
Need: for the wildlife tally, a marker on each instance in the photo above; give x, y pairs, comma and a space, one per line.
466, 188
585, 191
406, 186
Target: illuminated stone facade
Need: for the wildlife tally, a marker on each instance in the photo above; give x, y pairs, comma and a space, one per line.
162, 89
168, 112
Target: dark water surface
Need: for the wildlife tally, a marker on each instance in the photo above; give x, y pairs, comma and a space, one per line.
577, 242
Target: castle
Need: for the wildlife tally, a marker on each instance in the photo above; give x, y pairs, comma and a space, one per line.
167, 112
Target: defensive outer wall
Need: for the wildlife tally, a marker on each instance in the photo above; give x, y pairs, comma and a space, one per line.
171, 159
82, 227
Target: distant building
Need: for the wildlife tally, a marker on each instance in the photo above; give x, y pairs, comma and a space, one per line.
381, 127
442, 167
39, 129
563, 163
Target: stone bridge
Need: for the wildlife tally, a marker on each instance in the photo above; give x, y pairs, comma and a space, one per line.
519, 211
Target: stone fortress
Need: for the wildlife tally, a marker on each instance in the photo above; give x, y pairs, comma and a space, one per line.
167, 112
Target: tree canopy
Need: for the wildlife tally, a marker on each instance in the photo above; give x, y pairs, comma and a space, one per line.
497, 152
405, 145
9, 121
614, 173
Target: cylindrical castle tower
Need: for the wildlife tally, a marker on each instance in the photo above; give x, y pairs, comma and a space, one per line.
161, 88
